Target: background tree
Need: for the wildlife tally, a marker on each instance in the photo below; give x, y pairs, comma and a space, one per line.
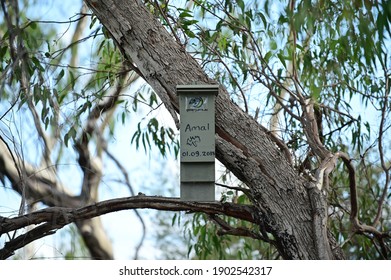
301, 121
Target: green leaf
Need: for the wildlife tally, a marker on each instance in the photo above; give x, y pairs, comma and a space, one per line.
136, 135
267, 57
145, 135
241, 5
153, 125
60, 75
185, 14
32, 25
71, 134
37, 64
173, 219
3, 51
263, 19
282, 59
189, 250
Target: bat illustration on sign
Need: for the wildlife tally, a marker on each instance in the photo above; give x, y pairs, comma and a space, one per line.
193, 141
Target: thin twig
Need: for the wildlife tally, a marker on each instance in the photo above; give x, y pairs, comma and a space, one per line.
156, 4
244, 190
226, 229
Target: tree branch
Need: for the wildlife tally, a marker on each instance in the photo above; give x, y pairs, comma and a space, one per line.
40, 184
225, 229
24, 239
358, 227
52, 218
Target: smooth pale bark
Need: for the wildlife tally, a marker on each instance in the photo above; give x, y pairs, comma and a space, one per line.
287, 206
44, 187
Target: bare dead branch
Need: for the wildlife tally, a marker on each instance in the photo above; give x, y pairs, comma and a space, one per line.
52, 218
59, 215
40, 231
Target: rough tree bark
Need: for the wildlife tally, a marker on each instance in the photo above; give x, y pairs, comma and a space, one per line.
287, 205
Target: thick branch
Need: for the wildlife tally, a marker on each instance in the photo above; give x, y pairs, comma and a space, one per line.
53, 218
37, 233
62, 215
40, 184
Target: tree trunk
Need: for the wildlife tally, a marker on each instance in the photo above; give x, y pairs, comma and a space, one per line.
289, 208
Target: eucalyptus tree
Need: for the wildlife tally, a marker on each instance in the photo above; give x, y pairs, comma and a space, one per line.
302, 121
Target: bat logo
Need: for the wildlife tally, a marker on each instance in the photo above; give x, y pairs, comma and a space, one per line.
193, 141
